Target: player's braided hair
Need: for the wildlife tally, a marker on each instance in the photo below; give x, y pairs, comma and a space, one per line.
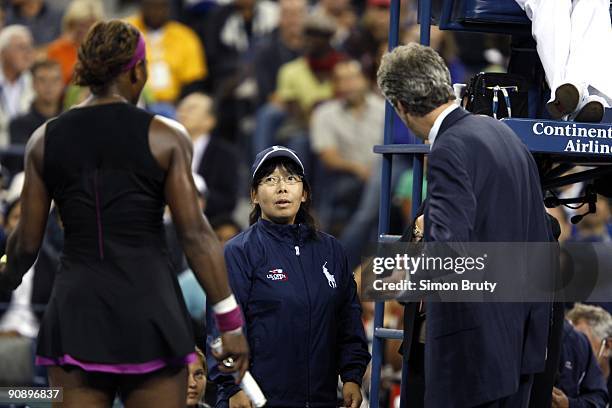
108, 47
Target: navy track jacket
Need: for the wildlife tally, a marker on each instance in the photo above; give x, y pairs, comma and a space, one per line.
302, 312
579, 375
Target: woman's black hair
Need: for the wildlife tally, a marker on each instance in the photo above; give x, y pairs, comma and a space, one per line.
107, 48
303, 215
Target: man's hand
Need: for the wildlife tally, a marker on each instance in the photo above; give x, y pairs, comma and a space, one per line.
240, 400
559, 399
352, 395
420, 222
235, 347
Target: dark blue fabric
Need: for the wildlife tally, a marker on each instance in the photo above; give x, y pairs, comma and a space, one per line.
302, 332
483, 186
580, 377
495, 11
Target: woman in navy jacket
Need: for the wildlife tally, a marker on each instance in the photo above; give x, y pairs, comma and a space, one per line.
302, 312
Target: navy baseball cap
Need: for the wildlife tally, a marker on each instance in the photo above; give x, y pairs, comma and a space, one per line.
271, 153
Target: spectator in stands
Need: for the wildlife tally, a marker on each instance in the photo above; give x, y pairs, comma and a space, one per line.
569, 36
301, 84
279, 47
342, 15
79, 17
196, 382
230, 33
175, 55
596, 323
367, 42
306, 81
48, 88
343, 133
16, 58
301, 306
213, 158
580, 382
232, 30
225, 227
39, 16
594, 227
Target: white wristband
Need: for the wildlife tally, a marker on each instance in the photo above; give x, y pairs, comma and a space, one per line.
226, 305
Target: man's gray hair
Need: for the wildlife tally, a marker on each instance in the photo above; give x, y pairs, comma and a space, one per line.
7, 33
416, 76
598, 319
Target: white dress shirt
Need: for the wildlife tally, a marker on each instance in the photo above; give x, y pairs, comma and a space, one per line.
433, 133
199, 147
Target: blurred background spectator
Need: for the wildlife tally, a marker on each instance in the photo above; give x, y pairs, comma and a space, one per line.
16, 58
175, 57
580, 381
79, 17
196, 382
225, 227
48, 91
369, 39
596, 324
343, 132
40, 16
279, 47
214, 159
301, 84
341, 13
595, 227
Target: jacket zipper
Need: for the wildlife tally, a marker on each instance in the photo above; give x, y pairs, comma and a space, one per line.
297, 253
98, 217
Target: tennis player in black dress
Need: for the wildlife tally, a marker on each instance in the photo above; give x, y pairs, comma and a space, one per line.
116, 322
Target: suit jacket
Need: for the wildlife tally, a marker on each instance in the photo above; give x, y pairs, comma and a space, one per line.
483, 186
219, 168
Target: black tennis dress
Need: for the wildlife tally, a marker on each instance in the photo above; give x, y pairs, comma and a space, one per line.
116, 305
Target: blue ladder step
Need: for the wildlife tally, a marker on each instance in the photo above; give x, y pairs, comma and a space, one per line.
392, 334
401, 149
388, 239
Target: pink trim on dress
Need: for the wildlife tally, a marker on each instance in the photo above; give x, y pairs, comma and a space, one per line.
141, 368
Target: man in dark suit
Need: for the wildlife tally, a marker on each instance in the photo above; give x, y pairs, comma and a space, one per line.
213, 158
483, 186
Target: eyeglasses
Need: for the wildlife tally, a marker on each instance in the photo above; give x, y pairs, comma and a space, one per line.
275, 180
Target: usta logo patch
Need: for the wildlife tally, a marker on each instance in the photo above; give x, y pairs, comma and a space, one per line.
277, 275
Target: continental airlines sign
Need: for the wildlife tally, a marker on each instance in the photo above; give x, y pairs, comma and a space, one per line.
547, 136
583, 140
